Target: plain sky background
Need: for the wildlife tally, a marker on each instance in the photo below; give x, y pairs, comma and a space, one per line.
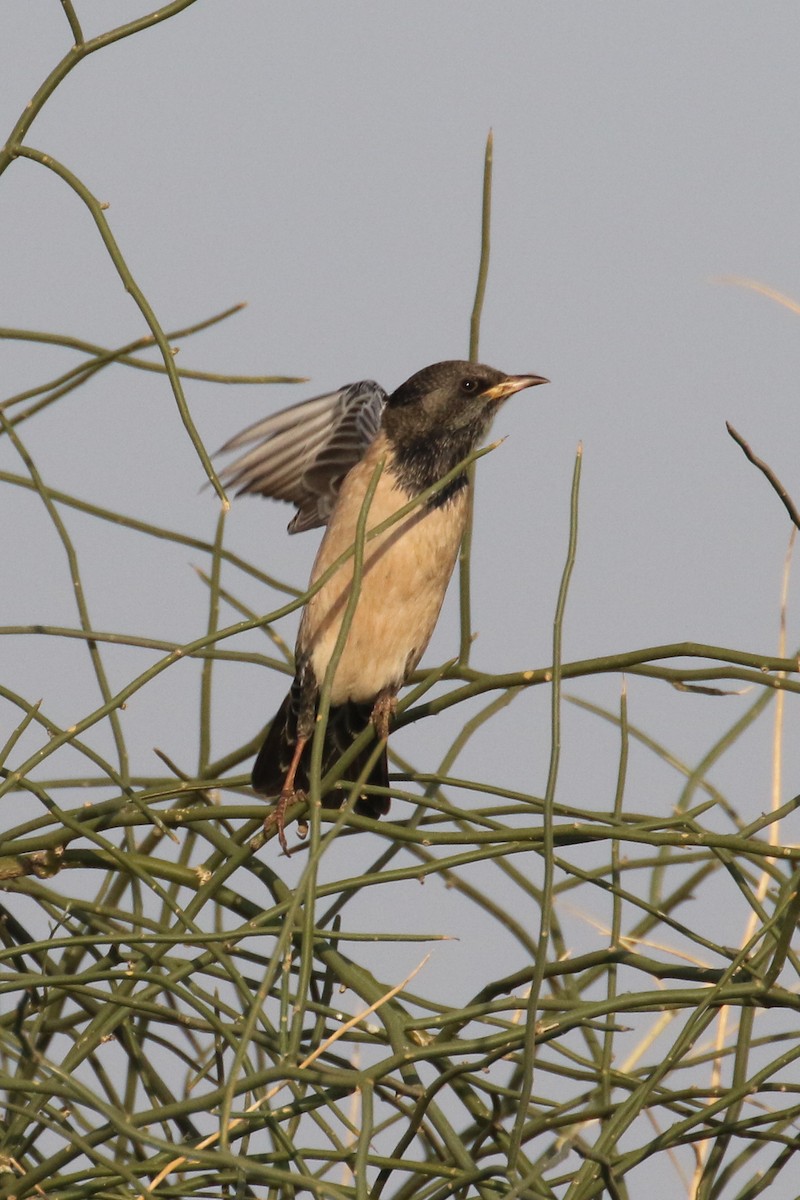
323, 162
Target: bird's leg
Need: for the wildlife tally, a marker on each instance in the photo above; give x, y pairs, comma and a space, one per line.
304, 695
278, 815
382, 712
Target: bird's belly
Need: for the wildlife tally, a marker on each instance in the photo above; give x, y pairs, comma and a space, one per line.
405, 576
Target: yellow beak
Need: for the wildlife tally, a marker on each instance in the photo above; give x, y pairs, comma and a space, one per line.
509, 385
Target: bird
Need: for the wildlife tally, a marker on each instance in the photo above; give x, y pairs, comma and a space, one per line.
323, 455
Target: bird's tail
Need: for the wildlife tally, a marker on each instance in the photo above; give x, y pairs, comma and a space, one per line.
345, 723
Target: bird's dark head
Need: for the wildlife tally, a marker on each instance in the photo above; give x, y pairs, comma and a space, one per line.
448, 397
438, 416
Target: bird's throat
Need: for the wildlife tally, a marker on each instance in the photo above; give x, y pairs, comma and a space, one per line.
419, 463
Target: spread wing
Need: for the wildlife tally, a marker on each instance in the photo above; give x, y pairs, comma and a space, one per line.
303, 453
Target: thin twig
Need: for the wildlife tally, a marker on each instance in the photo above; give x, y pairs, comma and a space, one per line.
465, 553
483, 266
95, 209
772, 478
532, 1004
236, 1122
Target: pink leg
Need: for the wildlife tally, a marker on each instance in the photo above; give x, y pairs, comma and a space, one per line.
278, 815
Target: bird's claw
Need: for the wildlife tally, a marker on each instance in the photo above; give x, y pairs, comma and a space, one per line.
278, 817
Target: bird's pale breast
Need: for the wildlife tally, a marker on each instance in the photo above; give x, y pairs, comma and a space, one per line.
405, 576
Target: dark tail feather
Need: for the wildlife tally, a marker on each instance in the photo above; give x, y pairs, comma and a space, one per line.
275, 756
345, 723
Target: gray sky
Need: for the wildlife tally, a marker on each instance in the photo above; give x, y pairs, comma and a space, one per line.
323, 163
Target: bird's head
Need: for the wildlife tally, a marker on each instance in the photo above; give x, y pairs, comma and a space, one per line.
450, 400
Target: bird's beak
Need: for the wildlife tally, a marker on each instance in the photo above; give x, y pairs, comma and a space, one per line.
509, 385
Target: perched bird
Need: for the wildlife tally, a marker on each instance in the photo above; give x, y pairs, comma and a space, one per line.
322, 455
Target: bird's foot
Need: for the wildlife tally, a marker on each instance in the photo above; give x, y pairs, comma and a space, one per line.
382, 712
277, 817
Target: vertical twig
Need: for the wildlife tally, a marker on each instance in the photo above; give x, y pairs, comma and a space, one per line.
74, 23
529, 1052
206, 679
483, 267
465, 553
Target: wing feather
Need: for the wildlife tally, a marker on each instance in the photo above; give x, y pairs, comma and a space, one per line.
303, 453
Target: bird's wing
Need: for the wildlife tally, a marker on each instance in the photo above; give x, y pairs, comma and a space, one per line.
303, 453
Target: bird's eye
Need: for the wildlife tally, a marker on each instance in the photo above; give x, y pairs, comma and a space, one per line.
469, 386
